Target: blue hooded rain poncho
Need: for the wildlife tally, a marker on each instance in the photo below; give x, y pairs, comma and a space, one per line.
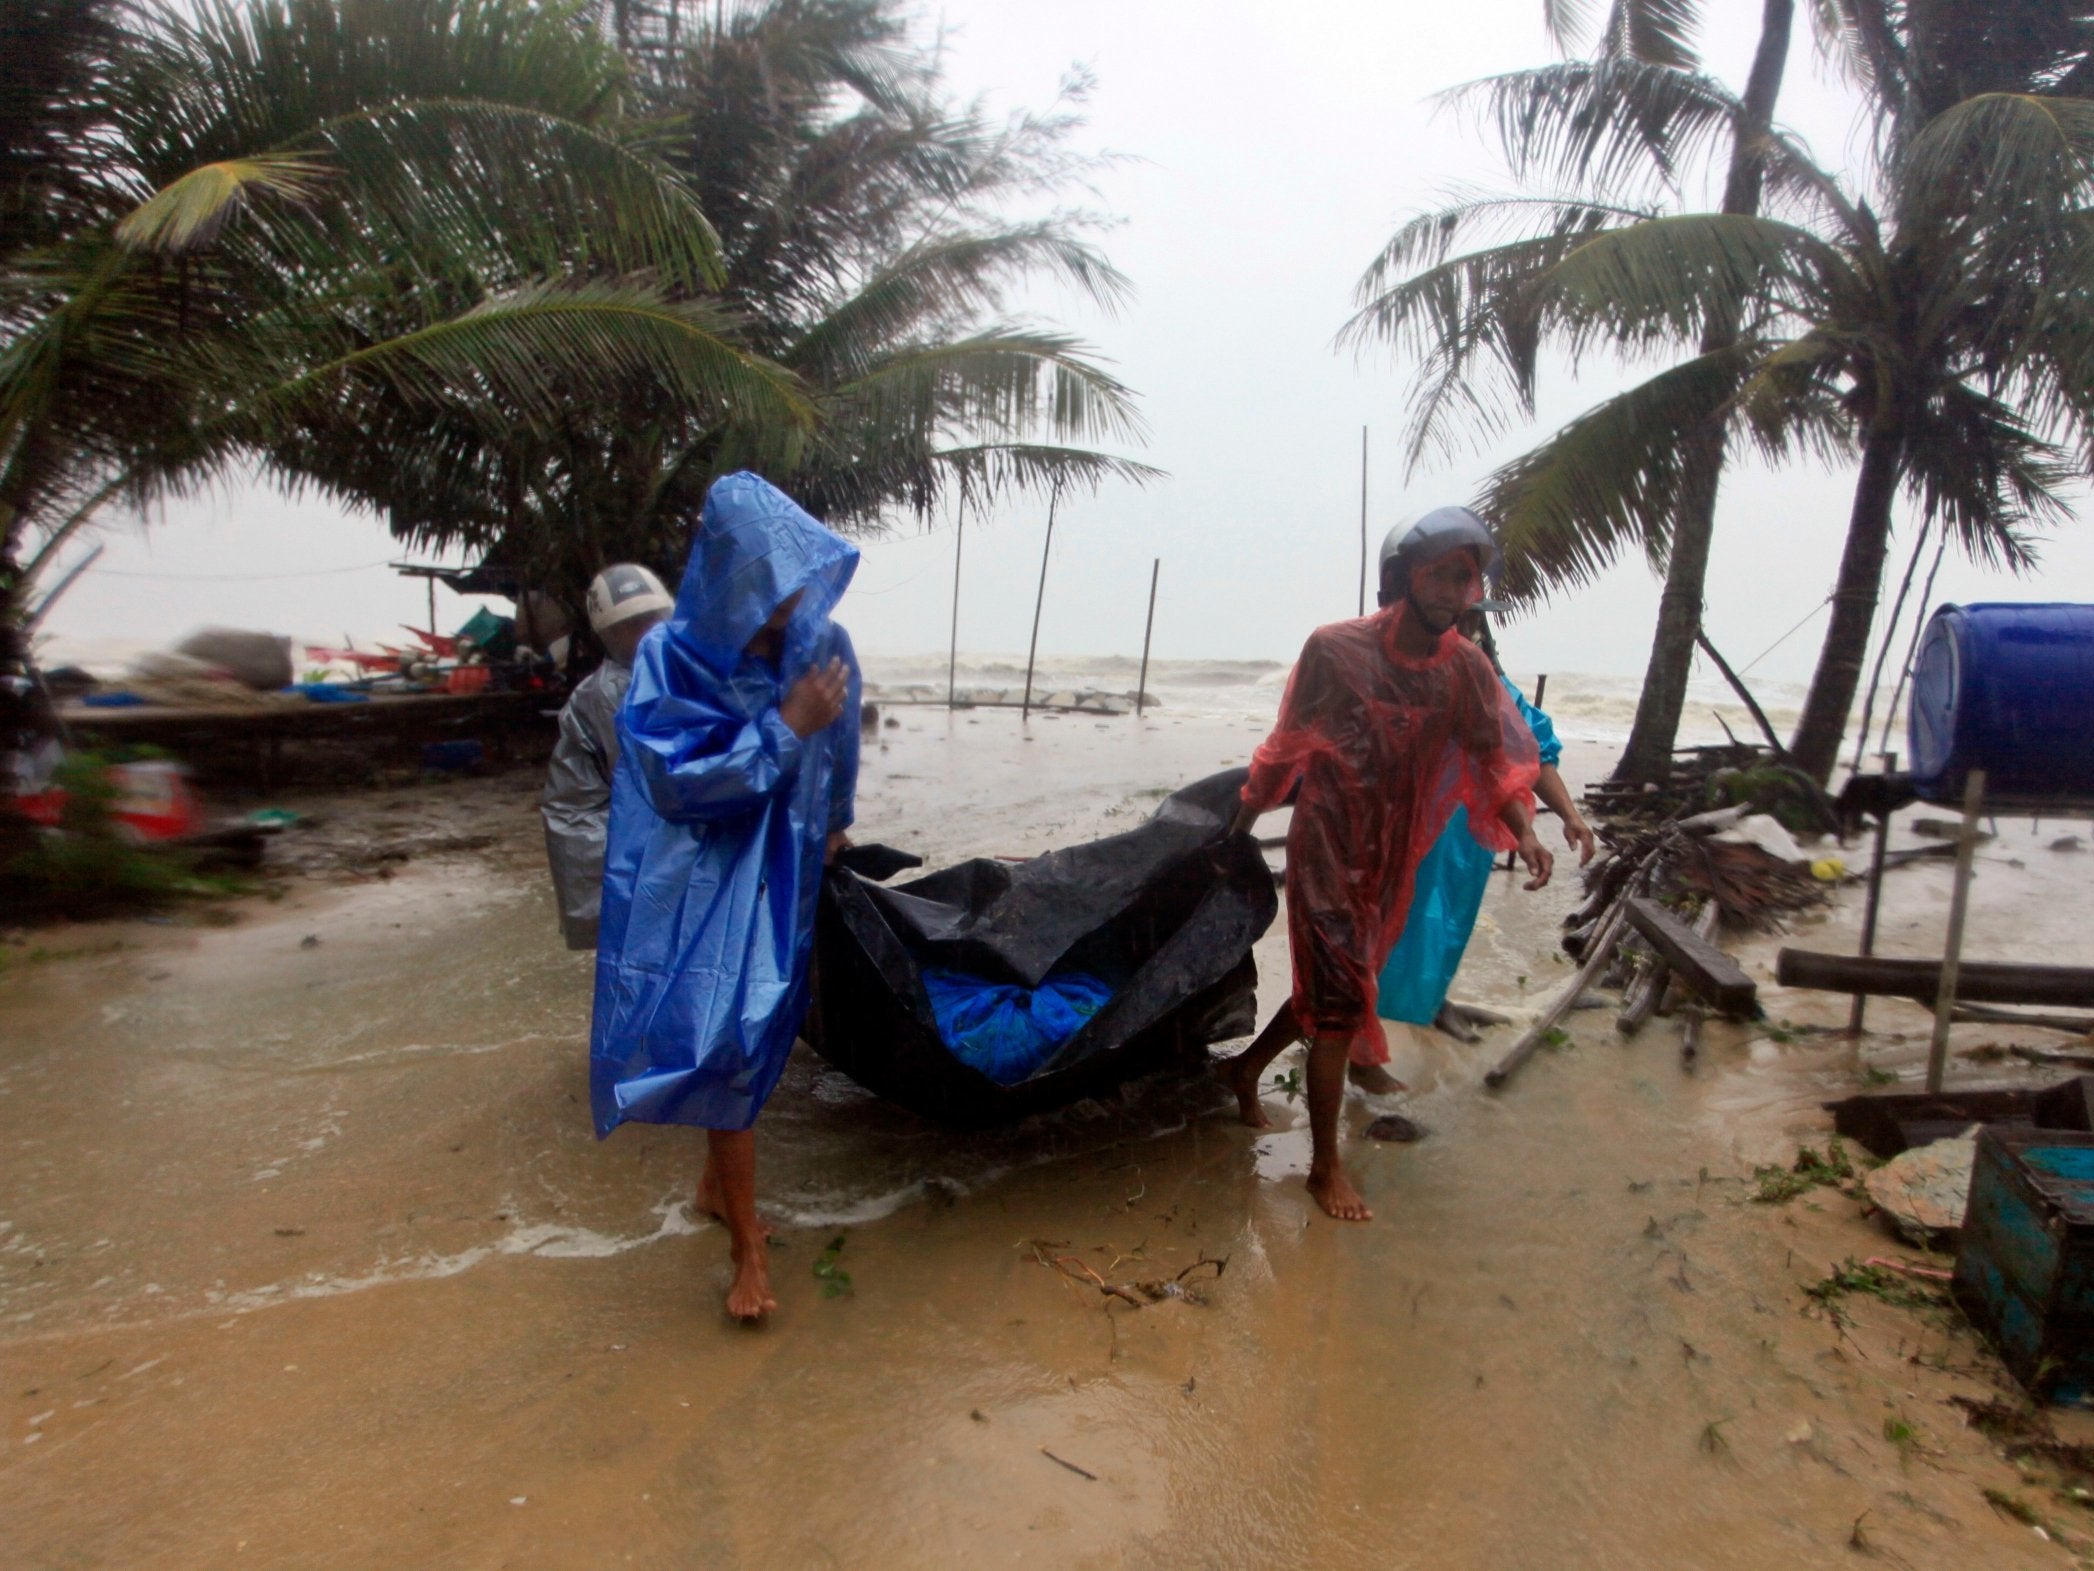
719, 819
1446, 894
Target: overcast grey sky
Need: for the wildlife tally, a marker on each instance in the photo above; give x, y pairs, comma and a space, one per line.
1273, 148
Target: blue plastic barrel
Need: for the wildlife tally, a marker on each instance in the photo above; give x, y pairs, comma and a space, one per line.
2008, 689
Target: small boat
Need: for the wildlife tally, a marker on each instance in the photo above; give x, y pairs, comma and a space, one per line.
1166, 914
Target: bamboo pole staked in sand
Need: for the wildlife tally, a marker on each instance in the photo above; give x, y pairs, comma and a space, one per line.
1053, 501
1141, 683
1363, 521
952, 660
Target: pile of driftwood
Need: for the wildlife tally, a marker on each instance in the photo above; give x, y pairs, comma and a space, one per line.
1656, 903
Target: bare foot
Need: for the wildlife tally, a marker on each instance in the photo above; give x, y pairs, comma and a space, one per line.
1242, 1078
709, 1201
1334, 1192
750, 1296
1374, 1079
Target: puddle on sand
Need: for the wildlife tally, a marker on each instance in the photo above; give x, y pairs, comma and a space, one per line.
310, 1259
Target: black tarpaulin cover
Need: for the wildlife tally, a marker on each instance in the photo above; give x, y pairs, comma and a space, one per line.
1167, 912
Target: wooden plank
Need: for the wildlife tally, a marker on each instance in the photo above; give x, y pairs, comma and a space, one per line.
1694, 959
1977, 981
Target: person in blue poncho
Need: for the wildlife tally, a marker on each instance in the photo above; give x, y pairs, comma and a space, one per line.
737, 770
1449, 889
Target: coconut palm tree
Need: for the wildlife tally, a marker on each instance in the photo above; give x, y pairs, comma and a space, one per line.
1632, 119
868, 247
1947, 342
1910, 297
309, 220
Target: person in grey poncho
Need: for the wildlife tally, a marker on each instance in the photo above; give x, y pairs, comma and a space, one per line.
625, 600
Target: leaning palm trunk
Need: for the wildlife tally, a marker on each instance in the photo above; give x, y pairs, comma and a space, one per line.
1824, 722
1648, 755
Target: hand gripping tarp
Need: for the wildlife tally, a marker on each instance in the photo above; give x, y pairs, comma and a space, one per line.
1446, 894
1166, 913
1384, 746
719, 814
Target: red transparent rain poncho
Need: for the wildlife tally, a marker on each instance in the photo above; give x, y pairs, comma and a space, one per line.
1385, 746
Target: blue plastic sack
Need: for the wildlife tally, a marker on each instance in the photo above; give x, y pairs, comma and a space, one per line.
1005, 1030
719, 815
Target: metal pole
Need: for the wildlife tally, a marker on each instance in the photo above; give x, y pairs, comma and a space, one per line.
1053, 501
1959, 903
952, 664
431, 582
1141, 683
1363, 521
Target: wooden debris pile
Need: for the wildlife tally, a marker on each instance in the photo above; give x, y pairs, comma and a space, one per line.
1664, 890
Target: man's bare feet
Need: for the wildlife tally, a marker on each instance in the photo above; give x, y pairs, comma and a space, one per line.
1240, 1075
1374, 1079
750, 1296
1334, 1192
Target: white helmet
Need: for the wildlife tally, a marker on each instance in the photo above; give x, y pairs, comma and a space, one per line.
623, 591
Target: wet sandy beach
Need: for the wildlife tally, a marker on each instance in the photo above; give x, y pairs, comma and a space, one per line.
308, 1259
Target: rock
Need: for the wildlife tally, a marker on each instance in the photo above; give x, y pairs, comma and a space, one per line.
2068, 843
1394, 1126
1923, 1191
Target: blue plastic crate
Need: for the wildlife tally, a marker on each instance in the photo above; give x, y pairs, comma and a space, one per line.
2025, 1265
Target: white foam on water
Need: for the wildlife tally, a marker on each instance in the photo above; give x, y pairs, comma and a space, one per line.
539, 1240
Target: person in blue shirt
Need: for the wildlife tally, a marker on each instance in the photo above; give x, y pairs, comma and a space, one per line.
1448, 893
737, 769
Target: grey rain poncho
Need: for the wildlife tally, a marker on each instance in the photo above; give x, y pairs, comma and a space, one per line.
576, 805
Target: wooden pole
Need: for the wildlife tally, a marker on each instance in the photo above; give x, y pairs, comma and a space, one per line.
1919, 626
1897, 610
431, 582
1053, 501
1601, 951
1737, 686
1859, 1011
1363, 521
1959, 905
952, 662
1141, 683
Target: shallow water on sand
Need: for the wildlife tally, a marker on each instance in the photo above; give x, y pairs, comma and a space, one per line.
308, 1258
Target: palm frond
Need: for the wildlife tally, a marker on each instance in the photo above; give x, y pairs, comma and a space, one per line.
516, 182
542, 350
1790, 402
1656, 32
1007, 381
1973, 463
1596, 124
2003, 159
953, 277
1567, 22
1676, 279
1609, 481
192, 210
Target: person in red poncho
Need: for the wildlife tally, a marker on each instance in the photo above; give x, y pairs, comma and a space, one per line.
1389, 723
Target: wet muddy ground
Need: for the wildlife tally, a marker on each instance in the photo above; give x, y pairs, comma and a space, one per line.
308, 1259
